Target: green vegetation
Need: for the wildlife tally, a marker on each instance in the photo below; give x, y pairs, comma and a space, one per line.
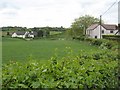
55, 32
80, 24
102, 43
111, 37
81, 63
59, 59
89, 71
0, 62
41, 49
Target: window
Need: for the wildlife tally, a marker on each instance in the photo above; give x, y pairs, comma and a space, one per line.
95, 36
102, 31
111, 31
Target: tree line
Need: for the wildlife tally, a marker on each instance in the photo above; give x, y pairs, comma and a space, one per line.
77, 28
16, 28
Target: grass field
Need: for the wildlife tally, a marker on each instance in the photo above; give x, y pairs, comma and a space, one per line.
0, 52
20, 50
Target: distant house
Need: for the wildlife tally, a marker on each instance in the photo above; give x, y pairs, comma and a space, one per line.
24, 34
32, 34
96, 31
21, 34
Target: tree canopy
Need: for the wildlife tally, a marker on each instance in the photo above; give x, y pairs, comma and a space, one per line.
80, 24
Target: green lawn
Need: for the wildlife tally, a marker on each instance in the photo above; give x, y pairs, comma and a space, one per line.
21, 50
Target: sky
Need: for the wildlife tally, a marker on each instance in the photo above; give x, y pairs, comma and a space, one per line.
119, 12
54, 13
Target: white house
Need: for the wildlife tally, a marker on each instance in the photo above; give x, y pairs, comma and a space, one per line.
20, 34
32, 34
23, 34
96, 30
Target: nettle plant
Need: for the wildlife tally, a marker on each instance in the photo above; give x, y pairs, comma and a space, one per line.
82, 71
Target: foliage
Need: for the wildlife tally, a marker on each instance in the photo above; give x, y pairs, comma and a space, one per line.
10, 28
40, 33
102, 43
97, 42
95, 68
81, 38
8, 33
80, 24
82, 71
111, 37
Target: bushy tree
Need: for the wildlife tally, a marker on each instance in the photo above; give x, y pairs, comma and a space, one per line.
80, 24
40, 33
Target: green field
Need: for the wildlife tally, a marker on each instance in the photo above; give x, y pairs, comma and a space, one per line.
75, 64
42, 49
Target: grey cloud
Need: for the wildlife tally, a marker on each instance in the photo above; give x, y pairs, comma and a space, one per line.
4, 5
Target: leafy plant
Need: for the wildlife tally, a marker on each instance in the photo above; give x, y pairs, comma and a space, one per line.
92, 71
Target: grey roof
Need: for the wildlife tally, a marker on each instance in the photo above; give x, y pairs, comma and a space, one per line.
20, 32
106, 26
33, 33
23, 32
110, 26
92, 27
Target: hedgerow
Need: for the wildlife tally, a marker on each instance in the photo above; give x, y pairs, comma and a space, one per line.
89, 71
103, 43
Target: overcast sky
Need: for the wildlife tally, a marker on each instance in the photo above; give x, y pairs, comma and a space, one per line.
54, 13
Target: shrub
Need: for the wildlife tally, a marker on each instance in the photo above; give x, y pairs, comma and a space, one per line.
97, 42
109, 45
103, 43
111, 37
70, 72
97, 56
88, 39
81, 38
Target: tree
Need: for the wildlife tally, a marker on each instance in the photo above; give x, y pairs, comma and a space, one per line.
80, 24
8, 33
40, 33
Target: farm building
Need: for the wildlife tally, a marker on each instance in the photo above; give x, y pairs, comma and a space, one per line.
23, 34
96, 30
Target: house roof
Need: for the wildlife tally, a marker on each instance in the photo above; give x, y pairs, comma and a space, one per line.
33, 33
92, 27
23, 32
109, 26
20, 32
106, 26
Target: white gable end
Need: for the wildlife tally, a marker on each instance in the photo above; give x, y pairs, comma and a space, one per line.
14, 35
98, 31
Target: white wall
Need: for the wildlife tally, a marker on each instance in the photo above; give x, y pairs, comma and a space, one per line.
107, 32
30, 35
96, 32
15, 35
